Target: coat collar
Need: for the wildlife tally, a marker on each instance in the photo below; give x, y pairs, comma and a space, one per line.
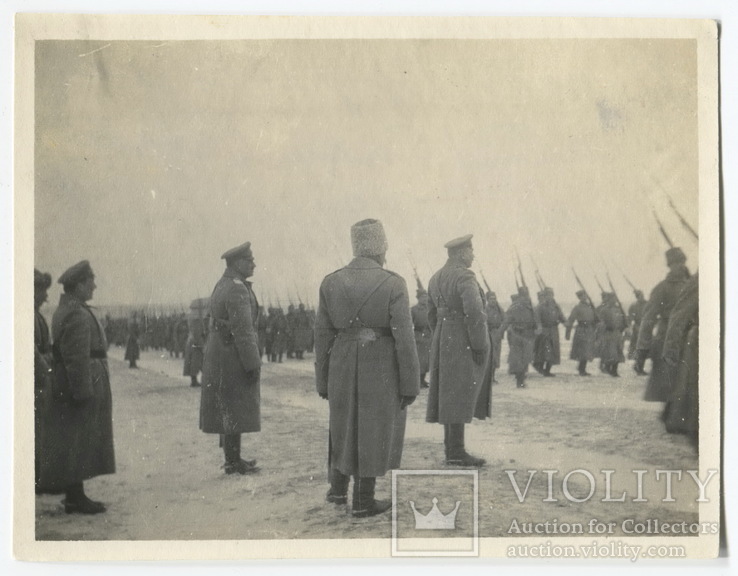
70, 300
362, 263
231, 273
454, 263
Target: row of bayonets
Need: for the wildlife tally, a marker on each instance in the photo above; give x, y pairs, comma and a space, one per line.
542, 284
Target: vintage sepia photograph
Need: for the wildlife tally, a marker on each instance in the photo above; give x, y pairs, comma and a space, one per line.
366, 287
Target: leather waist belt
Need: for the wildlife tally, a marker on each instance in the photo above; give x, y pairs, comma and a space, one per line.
365, 334
95, 354
450, 313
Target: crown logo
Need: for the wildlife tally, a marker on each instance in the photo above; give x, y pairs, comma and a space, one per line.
435, 520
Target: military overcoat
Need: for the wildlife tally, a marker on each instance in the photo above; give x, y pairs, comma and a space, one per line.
230, 401
456, 314
495, 318
520, 323
582, 346
681, 341
42, 384
613, 323
197, 331
663, 297
423, 335
548, 343
365, 360
78, 431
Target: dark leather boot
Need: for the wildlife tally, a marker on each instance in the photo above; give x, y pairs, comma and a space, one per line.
77, 502
364, 505
234, 464
338, 492
456, 454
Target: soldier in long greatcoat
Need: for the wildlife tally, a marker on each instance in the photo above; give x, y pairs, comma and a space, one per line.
230, 403
42, 361
495, 318
548, 344
635, 315
133, 346
460, 350
522, 326
613, 323
660, 303
423, 334
78, 439
197, 327
302, 331
585, 318
681, 350
366, 366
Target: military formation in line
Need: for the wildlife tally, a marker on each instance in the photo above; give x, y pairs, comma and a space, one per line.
373, 354
280, 335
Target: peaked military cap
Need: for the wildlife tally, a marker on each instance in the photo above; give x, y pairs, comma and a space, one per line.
459, 242
41, 280
580, 293
242, 251
80, 272
675, 256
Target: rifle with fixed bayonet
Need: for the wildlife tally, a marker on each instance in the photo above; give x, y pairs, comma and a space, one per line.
520, 269
661, 229
615, 294
415, 272
599, 285
486, 284
683, 220
582, 288
539, 277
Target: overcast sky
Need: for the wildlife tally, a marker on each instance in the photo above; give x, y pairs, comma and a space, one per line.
153, 158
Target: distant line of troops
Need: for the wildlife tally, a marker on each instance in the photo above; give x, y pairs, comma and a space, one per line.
279, 334
372, 353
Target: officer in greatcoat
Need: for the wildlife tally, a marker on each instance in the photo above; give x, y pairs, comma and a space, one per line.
658, 310
42, 361
367, 368
78, 439
460, 350
584, 316
230, 402
681, 351
423, 334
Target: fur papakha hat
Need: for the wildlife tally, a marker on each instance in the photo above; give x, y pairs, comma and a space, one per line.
368, 238
41, 280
